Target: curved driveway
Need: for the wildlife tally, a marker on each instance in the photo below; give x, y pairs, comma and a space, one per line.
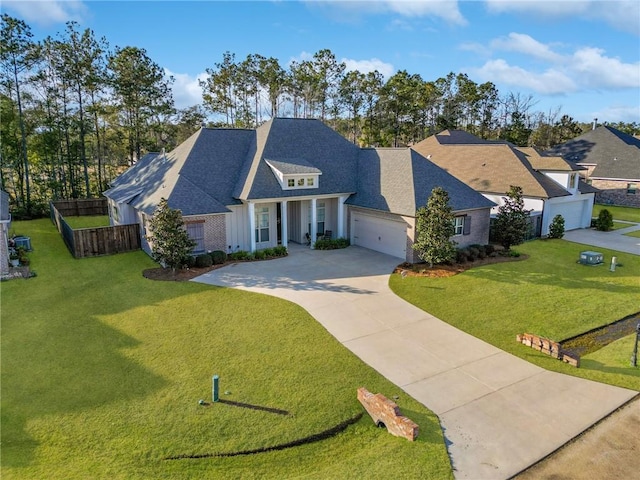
499, 414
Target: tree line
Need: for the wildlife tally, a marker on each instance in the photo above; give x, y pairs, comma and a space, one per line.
74, 112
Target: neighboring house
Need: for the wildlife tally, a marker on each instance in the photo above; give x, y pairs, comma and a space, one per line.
550, 185
289, 180
5, 223
611, 160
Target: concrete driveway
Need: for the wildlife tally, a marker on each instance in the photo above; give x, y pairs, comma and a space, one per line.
500, 414
614, 240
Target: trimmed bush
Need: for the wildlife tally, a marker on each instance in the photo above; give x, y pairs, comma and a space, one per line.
556, 229
474, 253
240, 255
268, 253
259, 255
331, 244
489, 249
280, 251
461, 255
204, 261
604, 222
218, 257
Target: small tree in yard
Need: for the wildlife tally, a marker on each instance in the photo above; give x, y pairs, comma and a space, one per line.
435, 228
556, 229
512, 221
171, 245
604, 222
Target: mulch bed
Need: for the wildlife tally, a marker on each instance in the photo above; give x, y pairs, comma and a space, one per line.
439, 271
412, 270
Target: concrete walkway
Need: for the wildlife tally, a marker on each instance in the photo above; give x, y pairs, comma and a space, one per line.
500, 414
614, 240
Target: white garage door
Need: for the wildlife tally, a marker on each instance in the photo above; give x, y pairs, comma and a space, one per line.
571, 212
380, 234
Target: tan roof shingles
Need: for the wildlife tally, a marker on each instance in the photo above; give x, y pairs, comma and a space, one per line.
489, 167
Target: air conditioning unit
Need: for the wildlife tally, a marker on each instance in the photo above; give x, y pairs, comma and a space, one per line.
591, 258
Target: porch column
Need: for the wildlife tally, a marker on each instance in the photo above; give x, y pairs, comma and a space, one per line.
341, 216
284, 233
252, 225
314, 222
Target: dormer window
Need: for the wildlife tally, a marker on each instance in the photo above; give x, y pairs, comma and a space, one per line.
295, 174
573, 180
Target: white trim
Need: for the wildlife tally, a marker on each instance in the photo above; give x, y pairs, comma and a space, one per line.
252, 225
284, 232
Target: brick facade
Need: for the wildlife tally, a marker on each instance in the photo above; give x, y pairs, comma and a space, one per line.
614, 192
215, 231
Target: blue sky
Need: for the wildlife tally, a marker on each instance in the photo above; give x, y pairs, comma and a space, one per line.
579, 56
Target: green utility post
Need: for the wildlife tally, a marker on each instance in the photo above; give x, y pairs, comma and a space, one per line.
214, 393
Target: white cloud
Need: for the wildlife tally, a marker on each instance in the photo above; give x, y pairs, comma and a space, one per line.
518, 42
47, 12
550, 82
444, 9
186, 89
599, 71
584, 69
617, 113
366, 66
620, 14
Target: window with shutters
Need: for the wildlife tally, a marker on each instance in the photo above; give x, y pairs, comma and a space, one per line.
458, 225
195, 230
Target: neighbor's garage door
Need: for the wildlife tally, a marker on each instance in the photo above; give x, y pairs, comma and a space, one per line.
379, 234
571, 212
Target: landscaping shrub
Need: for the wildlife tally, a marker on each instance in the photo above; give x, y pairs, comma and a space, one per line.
556, 229
462, 254
240, 255
490, 249
268, 253
474, 253
482, 252
203, 261
604, 222
218, 257
331, 244
191, 261
280, 251
259, 255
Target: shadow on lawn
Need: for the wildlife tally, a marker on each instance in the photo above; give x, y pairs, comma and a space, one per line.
61, 374
560, 279
60, 361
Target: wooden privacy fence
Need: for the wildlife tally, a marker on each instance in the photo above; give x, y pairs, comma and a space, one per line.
82, 207
92, 242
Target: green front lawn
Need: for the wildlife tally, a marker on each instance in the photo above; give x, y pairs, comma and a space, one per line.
635, 233
549, 294
88, 221
629, 214
102, 371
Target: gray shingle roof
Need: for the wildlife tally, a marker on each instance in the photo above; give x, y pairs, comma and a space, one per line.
293, 166
215, 168
615, 154
400, 180
308, 139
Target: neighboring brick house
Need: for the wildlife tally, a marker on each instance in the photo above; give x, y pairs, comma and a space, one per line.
5, 222
550, 185
288, 179
611, 160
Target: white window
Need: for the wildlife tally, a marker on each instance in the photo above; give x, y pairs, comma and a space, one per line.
301, 182
195, 230
310, 182
291, 182
262, 225
320, 217
573, 180
631, 188
458, 225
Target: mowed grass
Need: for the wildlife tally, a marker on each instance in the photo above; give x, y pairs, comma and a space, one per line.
628, 214
88, 221
635, 233
548, 294
102, 371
